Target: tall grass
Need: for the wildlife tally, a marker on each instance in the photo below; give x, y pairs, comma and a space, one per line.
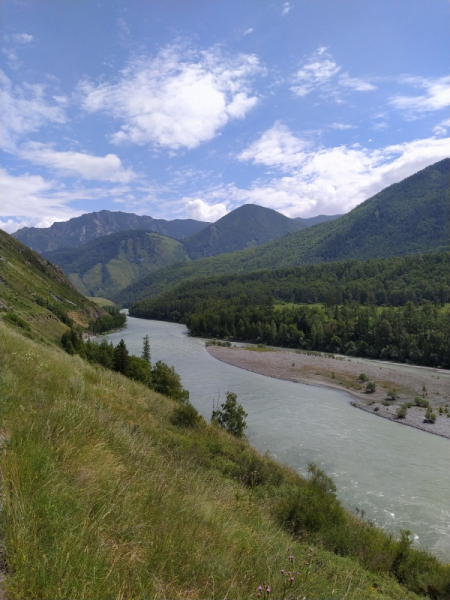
103, 497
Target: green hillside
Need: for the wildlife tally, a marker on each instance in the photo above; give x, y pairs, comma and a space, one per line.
406, 218
80, 230
108, 494
247, 226
106, 265
36, 296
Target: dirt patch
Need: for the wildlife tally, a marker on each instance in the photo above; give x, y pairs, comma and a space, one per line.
343, 375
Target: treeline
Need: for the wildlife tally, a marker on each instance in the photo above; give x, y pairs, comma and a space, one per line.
353, 317
392, 281
159, 377
114, 319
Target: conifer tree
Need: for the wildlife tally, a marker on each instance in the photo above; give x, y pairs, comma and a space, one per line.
121, 357
146, 349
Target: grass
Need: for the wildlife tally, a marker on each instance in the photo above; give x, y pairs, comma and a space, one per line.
104, 498
101, 301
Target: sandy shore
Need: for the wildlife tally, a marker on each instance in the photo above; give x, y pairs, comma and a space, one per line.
343, 375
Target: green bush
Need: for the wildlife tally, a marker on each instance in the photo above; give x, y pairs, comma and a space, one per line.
401, 411
430, 417
185, 415
422, 402
231, 416
16, 320
362, 377
370, 387
392, 395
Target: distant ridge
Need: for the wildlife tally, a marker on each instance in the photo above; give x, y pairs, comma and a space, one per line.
245, 227
409, 217
90, 226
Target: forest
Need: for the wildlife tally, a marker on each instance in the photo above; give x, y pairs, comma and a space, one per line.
393, 309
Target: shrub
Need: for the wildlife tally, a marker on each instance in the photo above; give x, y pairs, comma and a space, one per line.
231, 416
392, 394
16, 320
401, 411
376, 409
362, 377
430, 417
166, 381
185, 415
370, 387
422, 402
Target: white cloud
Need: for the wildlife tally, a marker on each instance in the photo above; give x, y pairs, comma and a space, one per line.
40, 202
201, 211
286, 8
436, 96
25, 110
78, 164
354, 83
331, 180
276, 147
248, 31
22, 38
176, 99
442, 127
342, 126
318, 69
321, 72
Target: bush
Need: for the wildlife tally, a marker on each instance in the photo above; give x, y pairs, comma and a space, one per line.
166, 381
392, 395
231, 416
16, 320
430, 417
362, 377
422, 402
401, 411
185, 415
370, 387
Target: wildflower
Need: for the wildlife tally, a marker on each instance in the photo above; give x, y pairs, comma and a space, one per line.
291, 558
268, 590
259, 588
298, 573
282, 571
292, 579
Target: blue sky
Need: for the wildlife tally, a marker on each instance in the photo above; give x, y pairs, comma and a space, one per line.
186, 108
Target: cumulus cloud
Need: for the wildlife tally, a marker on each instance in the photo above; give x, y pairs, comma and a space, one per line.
331, 180
286, 8
78, 164
176, 100
201, 211
276, 147
442, 127
25, 109
436, 96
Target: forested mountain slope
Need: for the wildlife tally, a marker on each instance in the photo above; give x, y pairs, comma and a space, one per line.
106, 265
247, 226
36, 295
406, 218
90, 226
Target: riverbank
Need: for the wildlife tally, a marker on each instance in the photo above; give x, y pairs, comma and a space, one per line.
343, 375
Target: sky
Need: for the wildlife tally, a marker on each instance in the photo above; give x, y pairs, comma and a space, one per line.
191, 108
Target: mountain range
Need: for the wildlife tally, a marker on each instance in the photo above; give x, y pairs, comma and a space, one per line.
106, 264
408, 217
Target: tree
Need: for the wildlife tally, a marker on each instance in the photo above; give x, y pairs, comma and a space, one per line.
166, 381
231, 416
146, 349
139, 370
392, 395
370, 387
121, 358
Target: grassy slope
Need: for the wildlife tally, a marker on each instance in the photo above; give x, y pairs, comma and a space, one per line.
245, 227
408, 217
104, 498
25, 276
106, 265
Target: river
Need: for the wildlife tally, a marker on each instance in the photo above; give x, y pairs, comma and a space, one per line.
398, 475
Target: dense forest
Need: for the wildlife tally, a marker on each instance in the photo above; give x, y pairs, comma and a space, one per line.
390, 309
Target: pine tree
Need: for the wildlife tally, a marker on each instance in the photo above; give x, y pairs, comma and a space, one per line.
121, 357
146, 350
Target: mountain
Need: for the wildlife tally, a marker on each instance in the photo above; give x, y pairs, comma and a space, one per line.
247, 226
79, 230
106, 265
316, 220
36, 295
408, 217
